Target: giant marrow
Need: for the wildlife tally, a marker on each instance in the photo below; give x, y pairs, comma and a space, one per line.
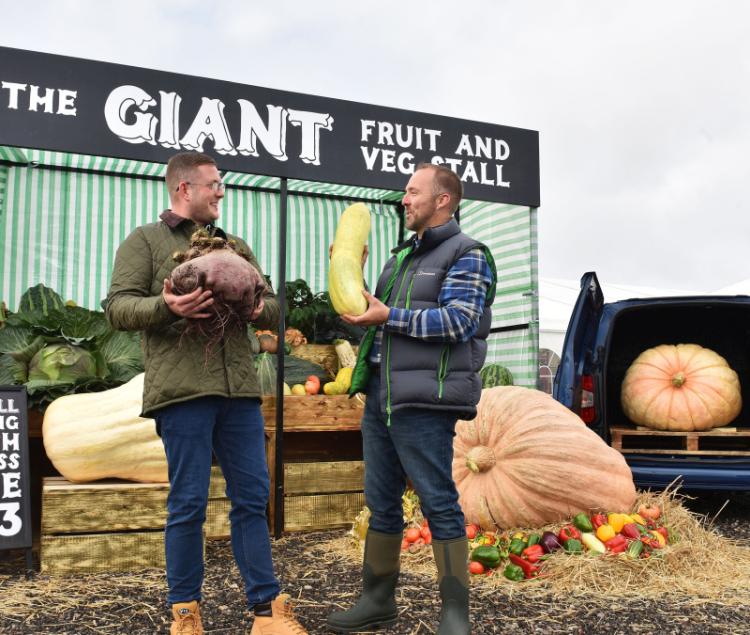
345, 281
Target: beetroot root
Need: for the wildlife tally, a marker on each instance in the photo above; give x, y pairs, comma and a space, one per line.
237, 287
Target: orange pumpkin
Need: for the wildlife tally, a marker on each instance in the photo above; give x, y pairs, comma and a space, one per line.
681, 387
526, 461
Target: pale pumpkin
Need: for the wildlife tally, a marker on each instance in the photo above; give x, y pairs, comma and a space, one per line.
527, 461
90, 436
681, 387
345, 280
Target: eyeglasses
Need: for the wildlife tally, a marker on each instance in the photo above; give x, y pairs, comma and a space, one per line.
214, 186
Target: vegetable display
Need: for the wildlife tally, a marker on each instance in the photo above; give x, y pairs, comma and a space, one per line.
345, 281
55, 348
526, 460
681, 387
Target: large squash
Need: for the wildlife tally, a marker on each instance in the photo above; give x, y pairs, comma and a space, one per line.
345, 281
97, 435
526, 461
681, 387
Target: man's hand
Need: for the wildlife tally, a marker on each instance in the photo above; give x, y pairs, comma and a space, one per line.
261, 305
365, 253
377, 313
192, 305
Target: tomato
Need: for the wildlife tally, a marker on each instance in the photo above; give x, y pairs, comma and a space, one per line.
476, 568
404, 544
412, 534
651, 512
312, 385
471, 531
425, 531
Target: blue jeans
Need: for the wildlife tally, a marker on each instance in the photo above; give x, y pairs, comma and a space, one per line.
233, 429
419, 445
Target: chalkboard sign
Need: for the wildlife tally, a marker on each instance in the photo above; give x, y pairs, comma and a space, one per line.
15, 488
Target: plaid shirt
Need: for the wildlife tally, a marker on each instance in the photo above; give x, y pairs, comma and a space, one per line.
461, 304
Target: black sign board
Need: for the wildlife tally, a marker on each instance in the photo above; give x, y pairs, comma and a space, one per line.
15, 489
68, 104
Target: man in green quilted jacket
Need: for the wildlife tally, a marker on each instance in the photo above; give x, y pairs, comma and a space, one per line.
205, 399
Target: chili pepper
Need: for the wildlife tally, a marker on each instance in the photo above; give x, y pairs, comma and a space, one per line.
516, 546
529, 570
534, 540
635, 549
582, 522
637, 518
568, 532
514, 572
630, 530
573, 545
533, 553
650, 542
597, 520
617, 544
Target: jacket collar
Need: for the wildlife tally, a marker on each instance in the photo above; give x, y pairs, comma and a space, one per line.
431, 237
173, 221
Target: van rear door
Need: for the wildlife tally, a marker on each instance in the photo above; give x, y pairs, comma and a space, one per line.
578, 348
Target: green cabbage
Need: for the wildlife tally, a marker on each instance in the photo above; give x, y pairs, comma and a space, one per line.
62, 362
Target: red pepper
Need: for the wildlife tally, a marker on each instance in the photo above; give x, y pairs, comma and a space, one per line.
618, 544
529, 570
597, 520
652, 543
664, 532
630, 530
533, 553
568, 532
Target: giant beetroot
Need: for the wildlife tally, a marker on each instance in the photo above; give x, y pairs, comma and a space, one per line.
237, 286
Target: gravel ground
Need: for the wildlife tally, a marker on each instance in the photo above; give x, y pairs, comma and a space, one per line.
115, 604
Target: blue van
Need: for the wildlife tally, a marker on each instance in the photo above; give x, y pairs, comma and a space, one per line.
602, 341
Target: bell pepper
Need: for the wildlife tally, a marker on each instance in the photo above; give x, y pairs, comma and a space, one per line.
592, 542
617, 521
533, 540
630, 530
533, 553
514, 572
634, 549
568, 532
661, 539
582, 522
529, 570
605, 532
488, 555
516, 546
616, 544
597, 520
573, 545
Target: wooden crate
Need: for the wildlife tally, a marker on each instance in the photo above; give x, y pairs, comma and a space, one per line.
113, 525
323, 469
716, 442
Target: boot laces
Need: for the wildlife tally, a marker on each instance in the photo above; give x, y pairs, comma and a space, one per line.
188, 624
287, 616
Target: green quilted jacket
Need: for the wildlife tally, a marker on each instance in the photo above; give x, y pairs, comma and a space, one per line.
177, 368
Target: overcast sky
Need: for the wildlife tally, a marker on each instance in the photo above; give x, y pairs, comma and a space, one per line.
643, 107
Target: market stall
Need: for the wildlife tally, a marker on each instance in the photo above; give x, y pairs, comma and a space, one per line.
83, 147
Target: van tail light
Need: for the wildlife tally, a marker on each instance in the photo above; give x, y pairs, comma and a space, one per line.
588, 411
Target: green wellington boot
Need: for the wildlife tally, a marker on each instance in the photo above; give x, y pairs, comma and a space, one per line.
377, 604
451, 558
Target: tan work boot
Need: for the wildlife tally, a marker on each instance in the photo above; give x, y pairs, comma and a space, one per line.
282, 621
187, 619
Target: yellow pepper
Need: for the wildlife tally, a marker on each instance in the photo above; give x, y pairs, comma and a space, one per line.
638, 519
617, 521
605, 532
659, 537
519, 535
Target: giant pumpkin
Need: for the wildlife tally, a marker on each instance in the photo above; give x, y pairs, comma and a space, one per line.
526, 461
89, 436
681, 387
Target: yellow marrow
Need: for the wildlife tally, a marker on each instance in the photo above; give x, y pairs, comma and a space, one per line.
345, 281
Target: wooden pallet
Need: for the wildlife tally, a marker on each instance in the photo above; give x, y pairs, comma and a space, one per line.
716, 442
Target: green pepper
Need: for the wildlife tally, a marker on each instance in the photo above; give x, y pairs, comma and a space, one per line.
533, 540
488, 555
514, 572
573, 545
582, 522
516, 546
